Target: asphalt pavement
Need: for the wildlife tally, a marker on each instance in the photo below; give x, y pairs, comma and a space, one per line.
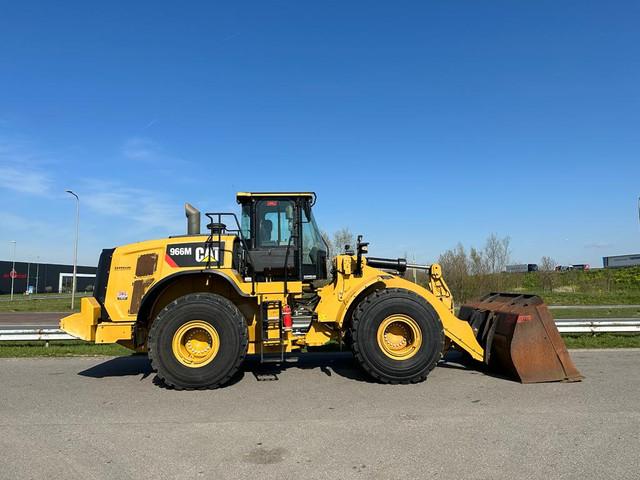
79, 418
31, 319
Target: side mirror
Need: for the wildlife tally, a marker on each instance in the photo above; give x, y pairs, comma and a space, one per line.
307, 210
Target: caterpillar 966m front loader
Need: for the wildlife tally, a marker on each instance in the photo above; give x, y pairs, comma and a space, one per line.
199, 303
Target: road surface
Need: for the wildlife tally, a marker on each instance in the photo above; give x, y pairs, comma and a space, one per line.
79, 418
31, 319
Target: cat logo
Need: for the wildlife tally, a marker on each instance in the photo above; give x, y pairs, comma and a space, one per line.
193, 254
210, 256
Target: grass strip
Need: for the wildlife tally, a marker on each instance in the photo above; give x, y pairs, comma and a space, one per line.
603, 340
40, 305
60, 349
85, 349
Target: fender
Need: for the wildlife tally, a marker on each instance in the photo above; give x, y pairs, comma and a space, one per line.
335, 300
354, 295
156, 289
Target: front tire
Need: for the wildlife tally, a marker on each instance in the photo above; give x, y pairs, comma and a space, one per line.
397, 336
198, 341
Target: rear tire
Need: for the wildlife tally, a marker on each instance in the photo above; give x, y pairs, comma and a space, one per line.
397, 336
198, 341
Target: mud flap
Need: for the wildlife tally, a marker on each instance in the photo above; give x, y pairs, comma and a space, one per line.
520, 338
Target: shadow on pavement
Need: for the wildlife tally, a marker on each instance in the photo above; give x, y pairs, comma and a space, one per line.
120, 367
342, 364
457, 360
339, 363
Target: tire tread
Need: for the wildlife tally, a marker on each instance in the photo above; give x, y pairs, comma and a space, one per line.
200, 297
358, 317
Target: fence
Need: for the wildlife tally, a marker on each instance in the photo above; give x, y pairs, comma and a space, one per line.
34, 334
599, 326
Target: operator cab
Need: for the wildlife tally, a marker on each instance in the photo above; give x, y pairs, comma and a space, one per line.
283, 239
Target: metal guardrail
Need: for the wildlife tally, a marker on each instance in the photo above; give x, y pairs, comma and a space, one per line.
614, 325
599, 326
589, 307
34, 334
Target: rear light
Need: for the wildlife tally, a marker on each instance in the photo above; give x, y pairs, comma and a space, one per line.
272, 203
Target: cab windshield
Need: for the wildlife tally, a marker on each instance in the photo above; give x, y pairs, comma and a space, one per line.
312, 242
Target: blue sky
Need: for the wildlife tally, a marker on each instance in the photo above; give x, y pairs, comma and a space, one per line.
419, 124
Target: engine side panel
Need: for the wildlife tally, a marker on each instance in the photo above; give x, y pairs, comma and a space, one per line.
137, 267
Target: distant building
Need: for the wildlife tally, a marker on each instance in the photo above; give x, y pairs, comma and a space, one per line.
48, 277
521, 268
621, 261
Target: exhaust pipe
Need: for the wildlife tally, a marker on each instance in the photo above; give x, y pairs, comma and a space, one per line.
193, 219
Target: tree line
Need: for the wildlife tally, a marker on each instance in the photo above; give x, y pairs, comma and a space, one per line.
469, 272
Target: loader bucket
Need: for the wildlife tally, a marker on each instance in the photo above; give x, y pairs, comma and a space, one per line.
520, 338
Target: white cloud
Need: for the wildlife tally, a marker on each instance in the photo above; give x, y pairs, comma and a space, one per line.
20, 170
144, 208
24, 181
141, 149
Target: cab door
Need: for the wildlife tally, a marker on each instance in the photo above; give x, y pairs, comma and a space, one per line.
274, 249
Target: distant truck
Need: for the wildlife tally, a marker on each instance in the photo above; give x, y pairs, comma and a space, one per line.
577, 266
522, 268
581, 266
617, 261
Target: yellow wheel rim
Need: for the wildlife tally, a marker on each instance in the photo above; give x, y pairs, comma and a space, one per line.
195, 344
399, 337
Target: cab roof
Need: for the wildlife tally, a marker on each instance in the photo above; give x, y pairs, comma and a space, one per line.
240, 196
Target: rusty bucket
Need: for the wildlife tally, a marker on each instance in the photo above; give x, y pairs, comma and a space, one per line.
520, 338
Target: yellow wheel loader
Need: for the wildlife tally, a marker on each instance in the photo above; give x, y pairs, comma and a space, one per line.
199, 303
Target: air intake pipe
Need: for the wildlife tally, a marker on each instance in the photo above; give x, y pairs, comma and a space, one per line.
193, 219
397, 264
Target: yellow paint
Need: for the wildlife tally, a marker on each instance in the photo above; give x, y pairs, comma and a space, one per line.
240, 195
458, 331
399, 337
337, 299
195, 344
319, 334
83, 324
112, 332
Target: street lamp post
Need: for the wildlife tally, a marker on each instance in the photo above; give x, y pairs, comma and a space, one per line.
37, 272
75, 247
13, 268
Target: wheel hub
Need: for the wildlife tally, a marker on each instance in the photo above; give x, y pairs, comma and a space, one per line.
399, 337
195, 343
